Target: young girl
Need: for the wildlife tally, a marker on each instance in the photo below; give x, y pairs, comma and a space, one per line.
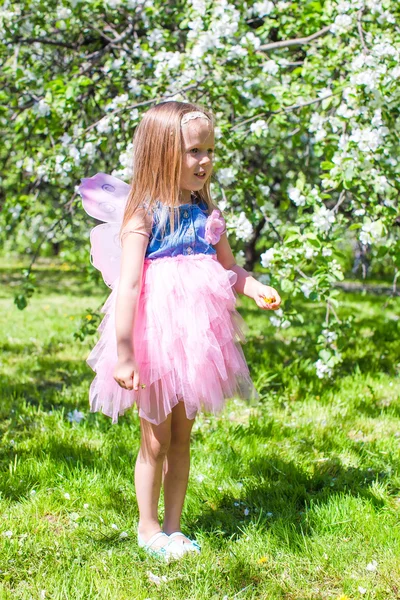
171, 336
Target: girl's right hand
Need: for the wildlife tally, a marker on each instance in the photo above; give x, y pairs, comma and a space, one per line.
126, 374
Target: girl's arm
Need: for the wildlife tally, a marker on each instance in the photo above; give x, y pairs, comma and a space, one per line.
245, 283
134, 246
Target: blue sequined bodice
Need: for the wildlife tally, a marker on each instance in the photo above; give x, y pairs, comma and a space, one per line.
188, 237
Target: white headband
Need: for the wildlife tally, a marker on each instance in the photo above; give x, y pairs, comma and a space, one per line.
193, 115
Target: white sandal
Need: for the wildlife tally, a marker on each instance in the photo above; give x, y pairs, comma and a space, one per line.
161, 552
184, 546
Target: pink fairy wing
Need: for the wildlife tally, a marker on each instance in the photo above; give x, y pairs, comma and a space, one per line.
105, 251
104, 198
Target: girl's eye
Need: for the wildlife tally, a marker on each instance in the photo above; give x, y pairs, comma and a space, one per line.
209, 150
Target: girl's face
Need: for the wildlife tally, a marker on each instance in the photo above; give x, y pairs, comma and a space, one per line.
198, 151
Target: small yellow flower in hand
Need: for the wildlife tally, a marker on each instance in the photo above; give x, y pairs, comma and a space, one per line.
266, 297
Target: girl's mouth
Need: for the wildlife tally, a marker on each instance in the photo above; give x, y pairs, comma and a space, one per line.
200, 175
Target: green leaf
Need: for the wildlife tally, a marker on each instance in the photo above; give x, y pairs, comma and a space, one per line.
325, 355
292, 238
287, 285
327, 165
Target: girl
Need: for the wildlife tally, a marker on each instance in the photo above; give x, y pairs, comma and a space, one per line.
171, 337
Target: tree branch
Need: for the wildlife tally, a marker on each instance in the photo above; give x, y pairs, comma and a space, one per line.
342, 198
21, 40
360, 30
295, 42
285, 109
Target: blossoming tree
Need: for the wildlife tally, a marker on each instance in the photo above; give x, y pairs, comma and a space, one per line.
306, 98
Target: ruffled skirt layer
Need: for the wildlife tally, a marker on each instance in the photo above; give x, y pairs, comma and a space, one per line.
186, 339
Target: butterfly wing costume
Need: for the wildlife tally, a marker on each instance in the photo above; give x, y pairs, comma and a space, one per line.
187, 334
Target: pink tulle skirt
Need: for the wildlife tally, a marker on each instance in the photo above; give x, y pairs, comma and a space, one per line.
186, 338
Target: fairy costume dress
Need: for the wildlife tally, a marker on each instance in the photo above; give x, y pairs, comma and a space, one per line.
187, 331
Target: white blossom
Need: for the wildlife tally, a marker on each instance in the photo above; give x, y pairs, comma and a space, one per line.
306, 289
104, 125
250, 38
323, 370
135, 87
316, 122
118, 101
330, 336
296, 196
42, 108
263, 9
242, 226
259, 126
155, 36
343, 6
75, 416
362, 590
271, 67
255, 102
372, 566
368, 139
324, 93
267, 257
371, 232
236, 51
226, 176
8, 533
75, 154
309, 251
323, 218
341, 24
65, 139
315, 194
265, 189
89, 150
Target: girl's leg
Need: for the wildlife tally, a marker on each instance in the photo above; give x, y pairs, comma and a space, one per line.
155, 441
176, 469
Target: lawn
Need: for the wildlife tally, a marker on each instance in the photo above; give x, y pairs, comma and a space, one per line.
296, 498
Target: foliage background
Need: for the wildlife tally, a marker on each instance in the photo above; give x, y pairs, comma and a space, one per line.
306, 97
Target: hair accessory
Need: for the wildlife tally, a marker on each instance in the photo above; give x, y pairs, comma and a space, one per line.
193, 115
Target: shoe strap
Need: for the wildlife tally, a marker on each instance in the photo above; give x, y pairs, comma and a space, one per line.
176, 533
154, 538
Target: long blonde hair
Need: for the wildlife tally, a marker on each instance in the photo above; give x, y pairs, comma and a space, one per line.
157, 159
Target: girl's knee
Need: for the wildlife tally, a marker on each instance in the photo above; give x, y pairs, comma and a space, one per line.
181, 434
156, 440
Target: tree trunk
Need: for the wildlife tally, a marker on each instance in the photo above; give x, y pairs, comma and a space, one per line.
251, 255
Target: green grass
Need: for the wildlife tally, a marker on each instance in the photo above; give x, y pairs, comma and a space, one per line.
291, 499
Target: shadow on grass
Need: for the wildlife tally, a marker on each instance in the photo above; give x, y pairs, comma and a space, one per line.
51, 281
284, 492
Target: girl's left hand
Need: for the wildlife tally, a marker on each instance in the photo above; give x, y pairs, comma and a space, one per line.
266, 297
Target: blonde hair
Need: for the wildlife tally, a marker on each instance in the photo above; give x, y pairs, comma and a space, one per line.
157, 159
